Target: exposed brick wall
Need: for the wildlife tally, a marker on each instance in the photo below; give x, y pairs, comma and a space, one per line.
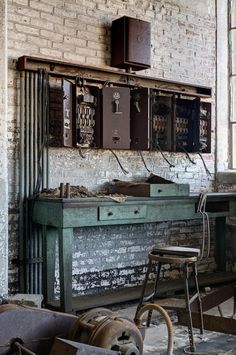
78, 31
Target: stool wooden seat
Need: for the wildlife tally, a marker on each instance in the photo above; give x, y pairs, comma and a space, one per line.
184, 257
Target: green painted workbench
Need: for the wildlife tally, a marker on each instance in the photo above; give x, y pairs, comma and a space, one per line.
58, 217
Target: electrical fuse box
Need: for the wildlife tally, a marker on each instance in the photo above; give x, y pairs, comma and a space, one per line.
161, 121
88, 116
61, 122
140, 119
186, 125
116, 118
130, 43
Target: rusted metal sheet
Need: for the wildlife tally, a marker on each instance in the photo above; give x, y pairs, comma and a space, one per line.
36, 327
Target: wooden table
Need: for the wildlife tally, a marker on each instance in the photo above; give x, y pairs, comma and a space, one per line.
58, 217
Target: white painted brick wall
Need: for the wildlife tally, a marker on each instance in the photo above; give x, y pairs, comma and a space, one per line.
78, 31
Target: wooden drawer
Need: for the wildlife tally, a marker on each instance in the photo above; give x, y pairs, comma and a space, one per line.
122, 212
151, 190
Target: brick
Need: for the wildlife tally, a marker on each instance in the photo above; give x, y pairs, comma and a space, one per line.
27, 12
18, 19
27, 29
86, 52
64, 13
42, 24
45, 7
74, 40
49, 52
52, 18
43, 42
64, 30
51, 35
20, 2
74, 58
75, 24
17, 36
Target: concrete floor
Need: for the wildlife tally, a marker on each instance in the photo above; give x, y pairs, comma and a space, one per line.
155, 342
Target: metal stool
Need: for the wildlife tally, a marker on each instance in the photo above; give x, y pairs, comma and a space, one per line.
181, 256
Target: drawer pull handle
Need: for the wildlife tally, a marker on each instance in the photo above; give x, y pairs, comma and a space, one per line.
136, 212
159, 190
110, 214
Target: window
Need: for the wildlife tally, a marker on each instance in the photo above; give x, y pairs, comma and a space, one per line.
232, 80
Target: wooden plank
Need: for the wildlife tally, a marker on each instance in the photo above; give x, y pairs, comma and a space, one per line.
66, 69
213, 323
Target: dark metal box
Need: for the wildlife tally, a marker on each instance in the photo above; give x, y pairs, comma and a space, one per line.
140, 119
130, 43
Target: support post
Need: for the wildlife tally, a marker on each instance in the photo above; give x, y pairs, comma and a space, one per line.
3, 151
65, 268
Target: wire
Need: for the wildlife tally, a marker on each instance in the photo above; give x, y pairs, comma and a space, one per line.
188, 156
81, 153
43, 80
204, 164
106, 83
170, 164
201, 208
186, 351
144, 163
118, 161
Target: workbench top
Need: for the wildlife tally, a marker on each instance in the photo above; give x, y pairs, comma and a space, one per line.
92, 211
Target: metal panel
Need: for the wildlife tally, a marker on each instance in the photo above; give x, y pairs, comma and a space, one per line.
116, 118
68, 91
205, 127
138, 42
139, 119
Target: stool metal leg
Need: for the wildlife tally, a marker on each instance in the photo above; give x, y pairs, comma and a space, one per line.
198, 297
152, 297
149, 267
188, 310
